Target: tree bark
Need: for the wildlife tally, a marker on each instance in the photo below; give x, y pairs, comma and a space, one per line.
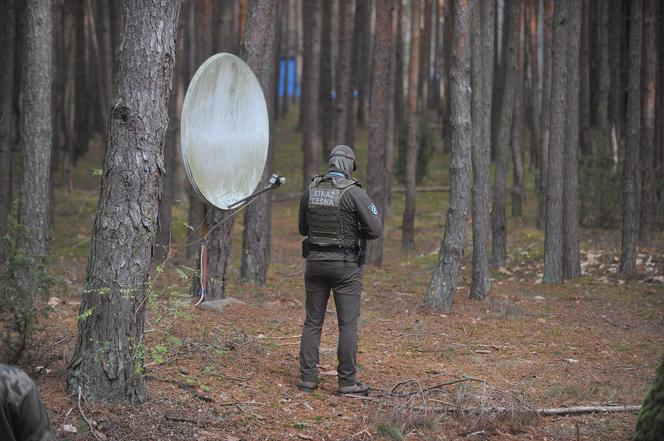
108, 362
632, 139
571, 259
499, 209
408, 232
311, 12
82, 93
545, 116
325, 90
364, 66
585, 105
171, 145
36, 130
399, 99
7, 123
443, 284
259, 49
617, 61
535, 86
553, 233
482, 85
378, 173
630, 221
647, 154
603, 70
517, 119
344, 97
425, 58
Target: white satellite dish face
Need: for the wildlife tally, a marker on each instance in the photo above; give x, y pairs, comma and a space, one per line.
225, 131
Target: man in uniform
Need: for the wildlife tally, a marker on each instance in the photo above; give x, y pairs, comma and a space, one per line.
22, 413
337, 217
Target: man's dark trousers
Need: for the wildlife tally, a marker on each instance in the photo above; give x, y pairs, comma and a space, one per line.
345, 281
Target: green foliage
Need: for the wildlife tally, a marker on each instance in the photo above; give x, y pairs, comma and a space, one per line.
650, 425
425, 149
390, 431
600, 176
24, 286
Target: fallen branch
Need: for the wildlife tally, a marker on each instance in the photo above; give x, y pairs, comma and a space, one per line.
239, 403
80, 409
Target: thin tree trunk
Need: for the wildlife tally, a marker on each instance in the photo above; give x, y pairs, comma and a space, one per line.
106, 52
343, 100
499, 209
443, 284
545, 117
482, 78
408, 233
399, 99
36, 131
108, 362
82, 95
325, 91
7, 123
630, 213
364, 65
535, 86
616, 37
571, 260
377, 165
425, 58
171, 144
518, 117
259, 49
553, 234
603, 70
649, 92
311, 12
584, 81
449, 33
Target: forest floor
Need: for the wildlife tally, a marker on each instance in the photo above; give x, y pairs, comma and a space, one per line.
233, 375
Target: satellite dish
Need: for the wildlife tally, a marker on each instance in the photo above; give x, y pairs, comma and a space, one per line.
224, 131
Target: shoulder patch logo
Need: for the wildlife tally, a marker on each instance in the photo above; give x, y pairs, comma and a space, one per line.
373, 209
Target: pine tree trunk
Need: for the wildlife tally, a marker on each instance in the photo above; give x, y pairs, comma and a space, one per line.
325, 91
647, 154
617, 61
364, 65
344, 98
399, 99
499, 209
553, 233
443, 284
535, 91
36, 129
545, 117
584, 84
603, 71
171, 146
630, 221
571, 260
311, 12
82, 95
408, 233
482, 84
378, 174
449, 33
517, 121
108, 362
425, 58
259, 48
7, 123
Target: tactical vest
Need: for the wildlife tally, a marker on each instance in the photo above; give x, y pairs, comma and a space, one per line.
329, 225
